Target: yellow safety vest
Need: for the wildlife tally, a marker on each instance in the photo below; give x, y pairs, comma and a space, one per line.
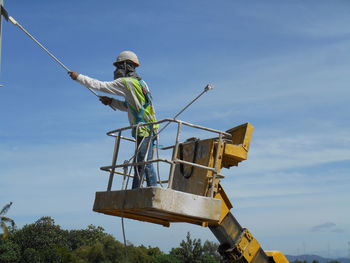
143, 111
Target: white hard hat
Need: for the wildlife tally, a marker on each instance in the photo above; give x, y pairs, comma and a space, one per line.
127, 55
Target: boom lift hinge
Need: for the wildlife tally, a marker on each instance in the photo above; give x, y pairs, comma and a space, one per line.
243, 251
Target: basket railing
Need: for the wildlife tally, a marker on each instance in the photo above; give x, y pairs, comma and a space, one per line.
117, 134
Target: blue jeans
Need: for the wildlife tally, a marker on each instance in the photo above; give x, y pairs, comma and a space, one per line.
151, 177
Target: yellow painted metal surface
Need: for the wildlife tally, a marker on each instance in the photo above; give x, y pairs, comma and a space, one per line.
277, 256
251, 250
247, 246
237, 150
196, 180
242, 135
225, 203
233, 154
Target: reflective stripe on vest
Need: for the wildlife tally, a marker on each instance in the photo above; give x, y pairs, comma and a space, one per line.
143, 111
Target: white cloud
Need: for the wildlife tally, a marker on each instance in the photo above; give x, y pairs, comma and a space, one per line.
325, 226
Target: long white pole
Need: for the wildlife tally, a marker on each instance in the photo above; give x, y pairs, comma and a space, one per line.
13, 21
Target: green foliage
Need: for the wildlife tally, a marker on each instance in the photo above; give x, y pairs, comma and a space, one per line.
31, 255
193, 251
113, 249
138, 254
5, 220
5, 208
85, 237
210, 249
43, 235
45, 242
105, 250
166, 259
9, 251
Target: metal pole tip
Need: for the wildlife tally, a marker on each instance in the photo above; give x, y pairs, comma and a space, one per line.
208, 87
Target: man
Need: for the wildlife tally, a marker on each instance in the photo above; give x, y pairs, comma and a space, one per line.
138, 105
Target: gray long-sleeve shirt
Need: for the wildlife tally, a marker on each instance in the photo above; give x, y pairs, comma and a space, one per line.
115, 87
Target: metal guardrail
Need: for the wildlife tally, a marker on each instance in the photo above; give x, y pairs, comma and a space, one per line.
118, 137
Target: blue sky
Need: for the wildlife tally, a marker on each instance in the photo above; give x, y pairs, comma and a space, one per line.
280, 65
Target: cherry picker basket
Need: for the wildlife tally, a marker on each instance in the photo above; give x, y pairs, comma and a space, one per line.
191, 192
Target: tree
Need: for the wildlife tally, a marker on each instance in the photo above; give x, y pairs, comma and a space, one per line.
189, 250
4, 220
154, 252
41, 235
138, 254
211, 249
31, 255
43, 241
105, 250
193, 251
9, 251
85, 237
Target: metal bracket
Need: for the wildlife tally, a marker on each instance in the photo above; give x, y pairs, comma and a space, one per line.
244, 250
